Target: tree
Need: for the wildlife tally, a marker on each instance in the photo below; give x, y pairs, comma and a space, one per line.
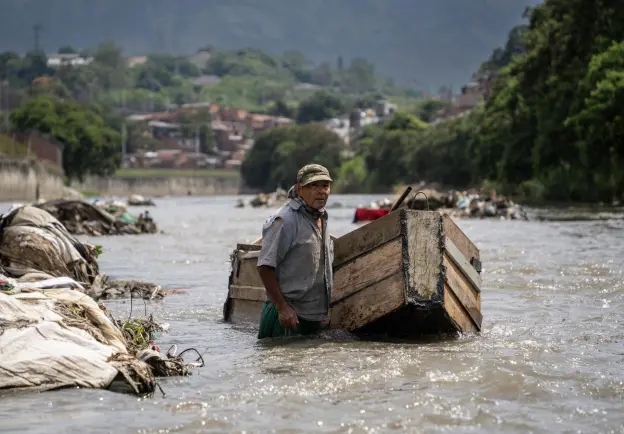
33, 65
68, 49
109, 66
599, 123
89, 146
360, 76
9, 65
297, 64
322, 75
109, 54
427, 110
352, 176
319, 107
281, 108
538, 126
514, 46
386, 150
279, 153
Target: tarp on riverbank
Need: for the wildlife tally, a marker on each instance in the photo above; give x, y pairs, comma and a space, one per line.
60, 338
53, 334
34, 242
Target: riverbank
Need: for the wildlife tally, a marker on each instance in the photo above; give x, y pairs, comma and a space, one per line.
159, 183
22, 179
26, 179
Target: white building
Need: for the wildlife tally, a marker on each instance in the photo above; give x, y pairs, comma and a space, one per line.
58, 60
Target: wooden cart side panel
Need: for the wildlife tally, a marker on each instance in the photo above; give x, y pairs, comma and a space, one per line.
366, 238
253, 293
463, 264
368, 269
247, 273
248, 247
423, 244
459, 238
373, 302
457, 313
247, 311
466, 297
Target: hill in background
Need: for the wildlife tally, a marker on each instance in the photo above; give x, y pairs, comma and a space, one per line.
420, 43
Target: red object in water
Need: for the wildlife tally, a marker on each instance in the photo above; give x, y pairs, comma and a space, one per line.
368, 214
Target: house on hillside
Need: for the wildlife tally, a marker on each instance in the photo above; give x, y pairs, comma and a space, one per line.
233, 130
74, 59
164, 130
205, 80
133, 61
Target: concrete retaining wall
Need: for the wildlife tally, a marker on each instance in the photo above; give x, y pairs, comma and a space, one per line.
154, 186
19, 179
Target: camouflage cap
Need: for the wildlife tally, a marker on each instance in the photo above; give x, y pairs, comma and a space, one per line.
312, 173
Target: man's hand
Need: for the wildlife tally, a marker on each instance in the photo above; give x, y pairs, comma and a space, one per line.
287, 316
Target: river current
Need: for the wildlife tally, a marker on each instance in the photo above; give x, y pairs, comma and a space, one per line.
550, 357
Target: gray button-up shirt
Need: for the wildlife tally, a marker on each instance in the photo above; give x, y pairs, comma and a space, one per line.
302, 256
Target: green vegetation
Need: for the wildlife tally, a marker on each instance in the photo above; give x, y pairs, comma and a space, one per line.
278, 154
249, 79
12, 148
423, 43
552, 129
83, 106
90, 193
89, 146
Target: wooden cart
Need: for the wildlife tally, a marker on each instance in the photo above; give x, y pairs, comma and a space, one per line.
406, 274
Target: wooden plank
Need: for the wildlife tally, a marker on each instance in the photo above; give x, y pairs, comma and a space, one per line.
457, 313
366, 238
241, 292
424, 255
463, 264
248, 247
245, 311
247, 273
464, 292
368, 269
250, 255
369, 304
459, 238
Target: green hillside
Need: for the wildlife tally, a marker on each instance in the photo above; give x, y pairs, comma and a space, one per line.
425, 43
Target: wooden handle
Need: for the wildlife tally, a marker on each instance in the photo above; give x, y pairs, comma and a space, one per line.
401, 199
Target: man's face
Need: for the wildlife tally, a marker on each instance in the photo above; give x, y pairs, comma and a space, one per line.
315, 194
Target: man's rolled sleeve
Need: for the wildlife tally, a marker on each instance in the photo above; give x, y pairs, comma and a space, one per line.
276, 241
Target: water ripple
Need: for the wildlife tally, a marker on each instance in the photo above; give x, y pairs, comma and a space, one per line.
550, 357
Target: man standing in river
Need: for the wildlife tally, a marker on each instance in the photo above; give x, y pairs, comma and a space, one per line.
295, 262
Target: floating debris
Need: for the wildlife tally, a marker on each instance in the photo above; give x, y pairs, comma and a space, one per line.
267, 200
459, 205
83, 218
138, 200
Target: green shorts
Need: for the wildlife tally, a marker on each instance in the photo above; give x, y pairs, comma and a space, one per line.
270, 326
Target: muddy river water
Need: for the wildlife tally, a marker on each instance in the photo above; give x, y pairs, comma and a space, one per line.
550, 358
